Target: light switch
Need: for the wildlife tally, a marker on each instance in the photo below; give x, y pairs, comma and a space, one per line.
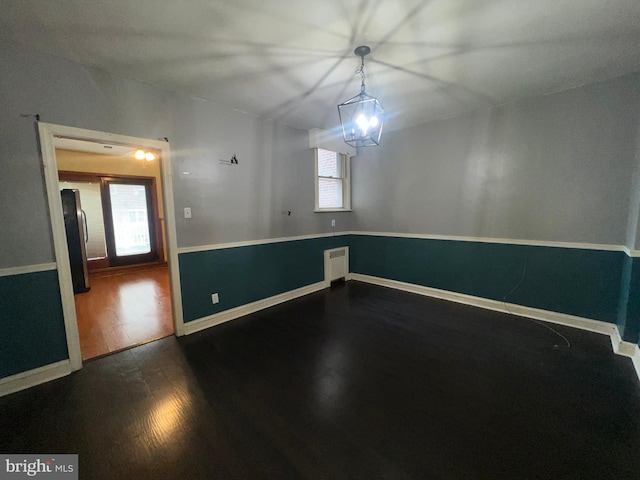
187, 212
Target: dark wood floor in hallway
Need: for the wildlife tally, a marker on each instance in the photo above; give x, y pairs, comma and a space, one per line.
354, 382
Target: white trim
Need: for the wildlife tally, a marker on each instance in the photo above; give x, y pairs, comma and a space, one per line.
635, 358
630, 252
47, 145
248, 243
48, 133
170, 229
34, 377
41, 267
626, 349
533, 243
329, 210
616, 340
507, 241
241, 311
315, 179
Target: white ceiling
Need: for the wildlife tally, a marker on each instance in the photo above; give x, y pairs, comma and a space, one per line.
93, 147
292, 60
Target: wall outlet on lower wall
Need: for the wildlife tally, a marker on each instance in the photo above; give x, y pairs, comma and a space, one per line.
215, 298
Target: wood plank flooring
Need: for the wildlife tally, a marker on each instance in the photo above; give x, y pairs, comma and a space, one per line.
124, 308
357, 381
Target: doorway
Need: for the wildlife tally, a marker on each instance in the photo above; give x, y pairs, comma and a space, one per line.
121, 211
134, 291
116, 307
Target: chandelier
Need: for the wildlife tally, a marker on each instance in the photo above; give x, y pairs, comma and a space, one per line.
362, 116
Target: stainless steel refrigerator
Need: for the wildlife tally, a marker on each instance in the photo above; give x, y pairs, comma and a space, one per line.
75, 223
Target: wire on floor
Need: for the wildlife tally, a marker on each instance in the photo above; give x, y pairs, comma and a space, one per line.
516, 286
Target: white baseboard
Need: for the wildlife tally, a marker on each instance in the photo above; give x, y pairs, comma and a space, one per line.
626, 349
616, 340
636, 359
34, 377
241, 311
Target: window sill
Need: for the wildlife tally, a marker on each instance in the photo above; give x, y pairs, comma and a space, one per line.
322, 210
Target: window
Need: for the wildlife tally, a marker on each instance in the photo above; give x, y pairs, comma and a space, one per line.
333, 189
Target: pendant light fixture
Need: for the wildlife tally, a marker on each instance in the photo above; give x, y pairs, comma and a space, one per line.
362, 116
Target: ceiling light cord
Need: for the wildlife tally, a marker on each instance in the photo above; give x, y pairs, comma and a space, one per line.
362, 74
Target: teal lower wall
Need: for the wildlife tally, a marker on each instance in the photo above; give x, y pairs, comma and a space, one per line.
629, 307
31, 322
600, 285
632, 325
243, 275
623, 303
580, 282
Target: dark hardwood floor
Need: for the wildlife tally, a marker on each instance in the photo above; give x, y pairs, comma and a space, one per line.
354, 382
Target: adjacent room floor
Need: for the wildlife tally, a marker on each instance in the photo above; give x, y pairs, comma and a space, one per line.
357, 381
125, 307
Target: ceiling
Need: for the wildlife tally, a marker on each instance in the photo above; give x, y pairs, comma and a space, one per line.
93, 147
293, 61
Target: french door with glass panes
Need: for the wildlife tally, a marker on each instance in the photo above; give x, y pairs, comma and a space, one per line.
129, 220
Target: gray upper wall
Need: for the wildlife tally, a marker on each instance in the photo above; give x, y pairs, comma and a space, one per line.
633, 223
250, 200
239, 203
65, 93
556, 168
553, 168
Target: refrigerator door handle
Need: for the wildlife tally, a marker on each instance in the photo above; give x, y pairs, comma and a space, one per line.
86, 228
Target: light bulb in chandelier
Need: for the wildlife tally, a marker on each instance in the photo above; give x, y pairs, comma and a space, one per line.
366, 123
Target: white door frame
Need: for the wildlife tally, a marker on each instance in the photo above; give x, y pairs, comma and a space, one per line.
48, 133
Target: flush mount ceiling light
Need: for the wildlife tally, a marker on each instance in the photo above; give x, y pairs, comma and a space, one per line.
144, 155
362, 116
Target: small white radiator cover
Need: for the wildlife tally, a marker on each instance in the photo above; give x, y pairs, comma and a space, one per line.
336, 264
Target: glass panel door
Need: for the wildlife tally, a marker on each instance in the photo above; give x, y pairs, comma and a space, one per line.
129, 219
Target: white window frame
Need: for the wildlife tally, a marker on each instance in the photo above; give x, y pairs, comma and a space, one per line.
345, 162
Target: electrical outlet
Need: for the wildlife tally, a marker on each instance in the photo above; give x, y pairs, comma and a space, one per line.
187, 212
333, 222
214, 298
